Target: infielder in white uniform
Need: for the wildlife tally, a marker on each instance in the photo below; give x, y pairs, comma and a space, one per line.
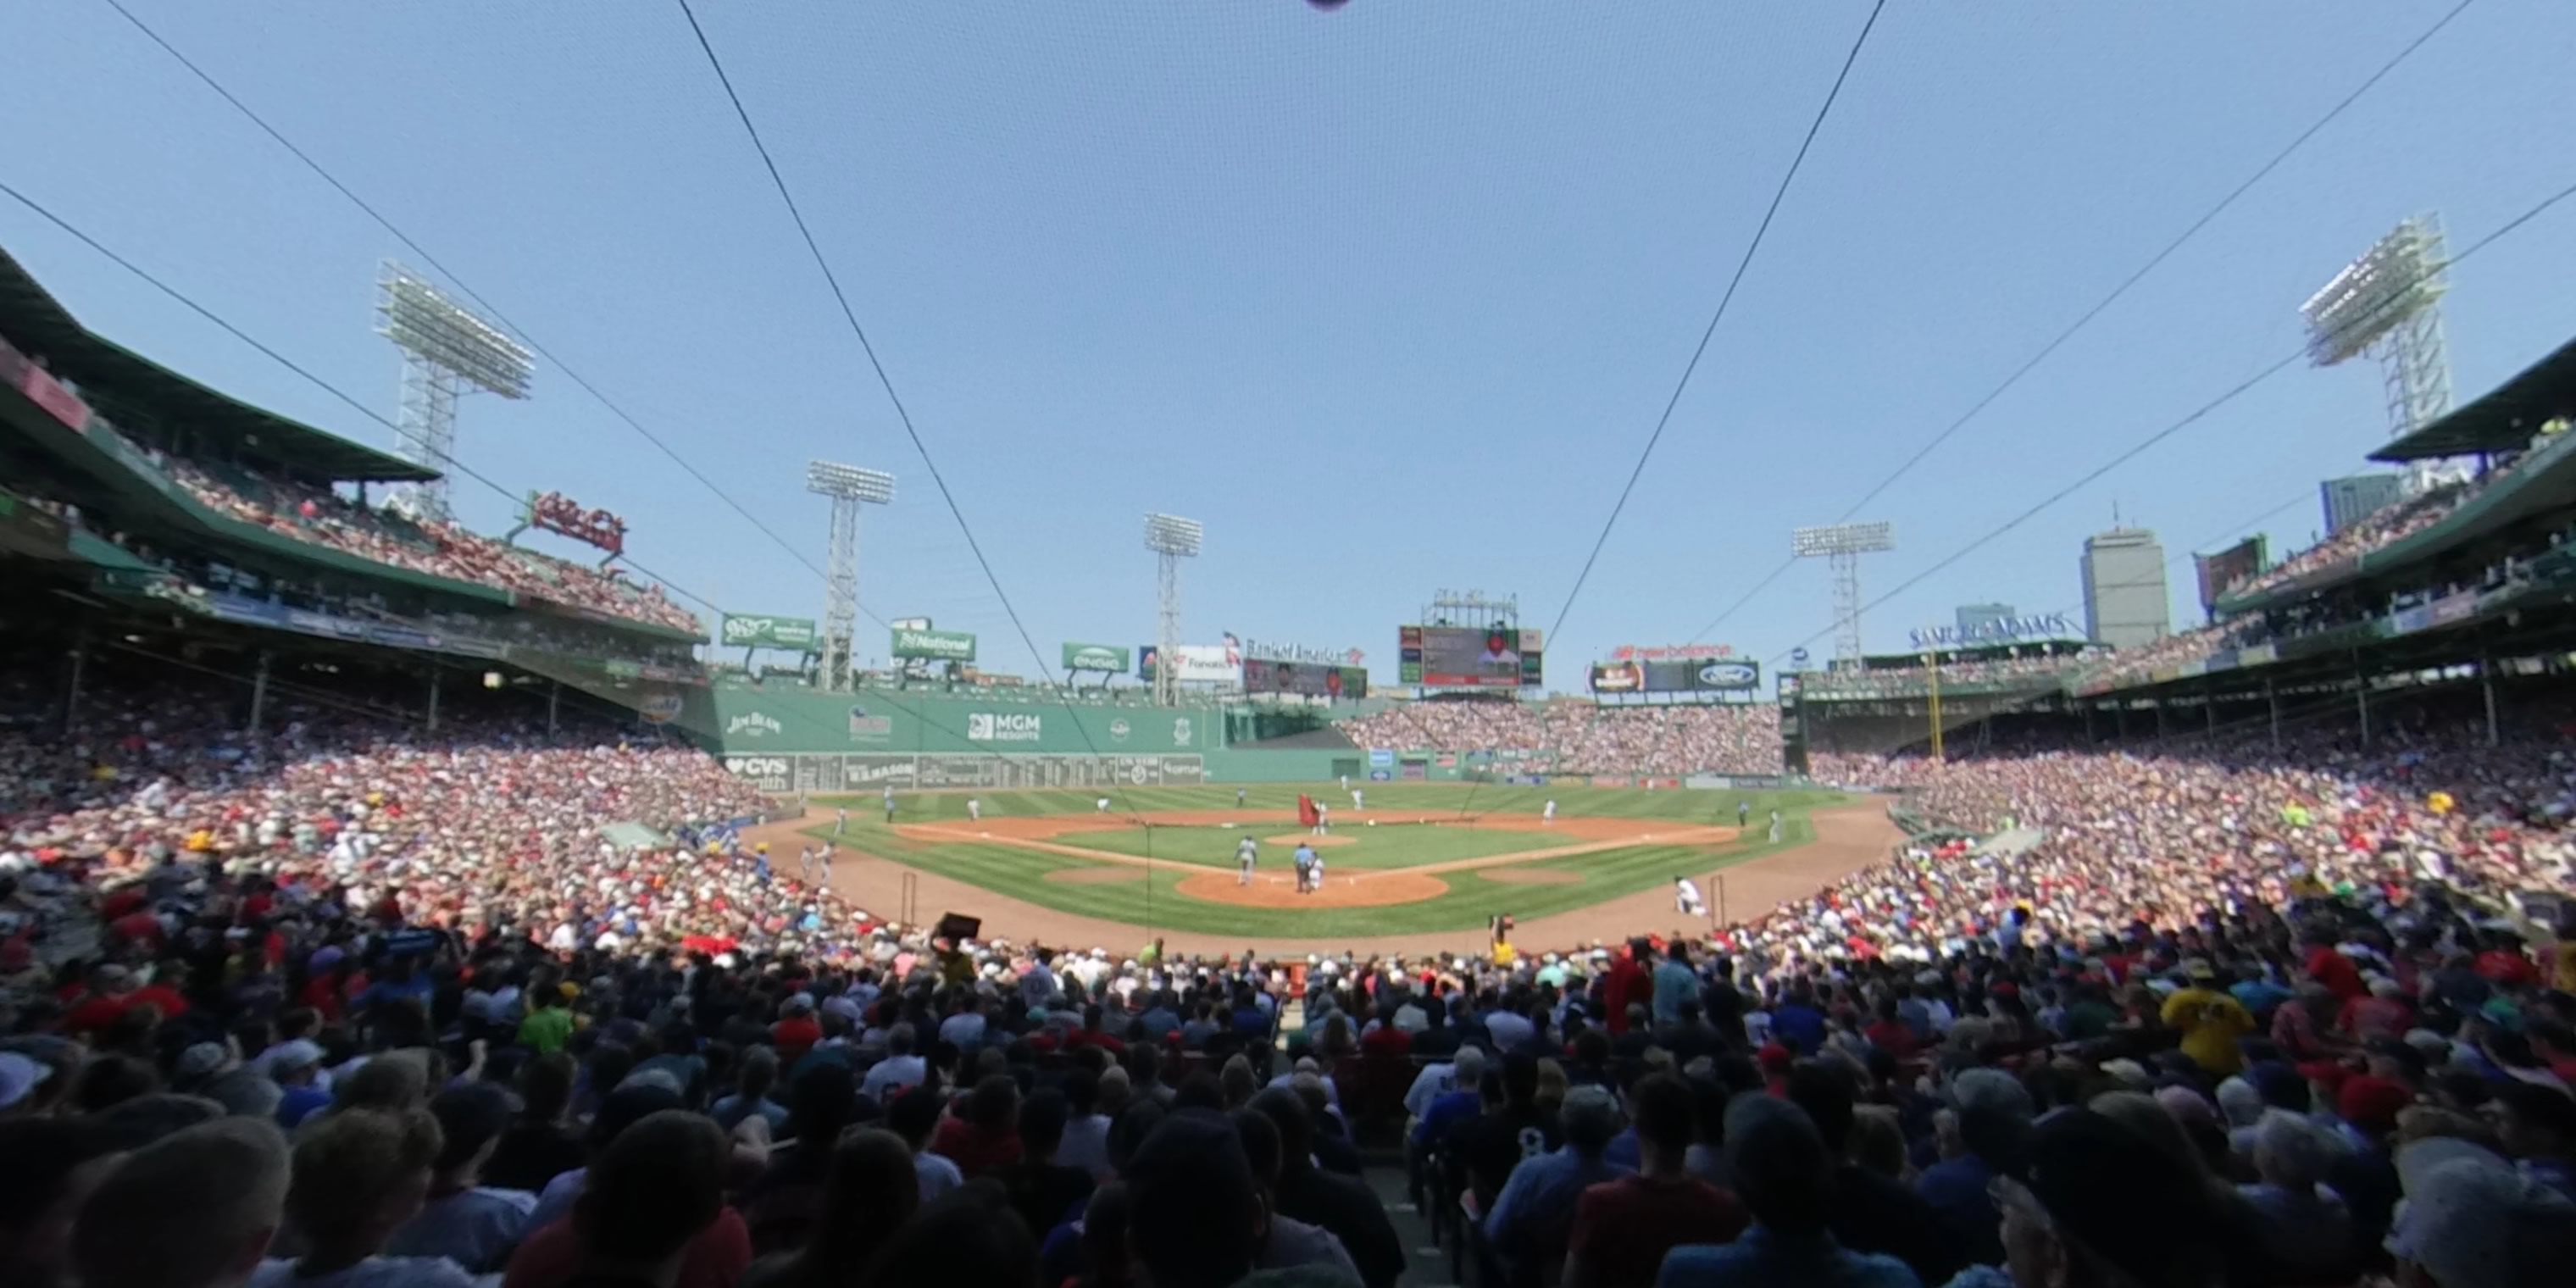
1323, 817
974, 810
823, 861
1247, 852
1686, 900
1359, 801
1101, 805
1548, 814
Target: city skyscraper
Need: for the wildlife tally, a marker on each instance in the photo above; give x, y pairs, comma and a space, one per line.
2125, 603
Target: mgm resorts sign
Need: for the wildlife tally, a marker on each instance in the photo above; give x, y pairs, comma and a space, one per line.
2002, 630
1003, 726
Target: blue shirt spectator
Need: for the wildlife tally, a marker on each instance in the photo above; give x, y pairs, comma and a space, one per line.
1675, 983
1759, 1258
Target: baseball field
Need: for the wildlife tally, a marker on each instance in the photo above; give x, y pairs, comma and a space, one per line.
1415, 867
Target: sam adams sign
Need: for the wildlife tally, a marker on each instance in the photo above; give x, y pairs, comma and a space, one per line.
2002, 630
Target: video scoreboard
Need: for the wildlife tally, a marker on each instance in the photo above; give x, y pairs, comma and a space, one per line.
1468, 657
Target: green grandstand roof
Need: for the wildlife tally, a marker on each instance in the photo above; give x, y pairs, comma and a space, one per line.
33, 319
2502, 421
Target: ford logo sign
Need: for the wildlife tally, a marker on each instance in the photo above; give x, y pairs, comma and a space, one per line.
1728, 675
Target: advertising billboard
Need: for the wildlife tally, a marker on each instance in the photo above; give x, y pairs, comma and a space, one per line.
1196, 663
745, 630
2033, 629
1618, 677
1095, 657
1702, 675
1265, 675
2230, 568
1468, 657
911, 644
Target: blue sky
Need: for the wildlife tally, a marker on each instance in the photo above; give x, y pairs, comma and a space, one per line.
1389, 297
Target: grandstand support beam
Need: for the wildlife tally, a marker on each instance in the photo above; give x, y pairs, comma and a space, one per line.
258, 692
2486, 681
554, 703
2209, 703
433, 700
2272, 698
2361, 697
78, 668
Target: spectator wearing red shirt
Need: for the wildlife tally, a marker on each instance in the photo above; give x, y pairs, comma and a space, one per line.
1890, 1034
796, 1031
1623, 1228
112, 992
2505, 963
1386, 1041
1628, 982
2333, 969
985, 1138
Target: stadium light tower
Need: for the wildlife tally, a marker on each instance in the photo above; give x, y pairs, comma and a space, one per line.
448, 352
849, 487
1841, 545
1172, 539
2387, 305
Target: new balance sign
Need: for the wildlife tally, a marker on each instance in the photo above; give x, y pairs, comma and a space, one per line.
992, 726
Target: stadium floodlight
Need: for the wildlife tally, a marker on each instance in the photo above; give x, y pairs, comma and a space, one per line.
1172, 539
448, 352
1841, 545
848, 487
2387, 305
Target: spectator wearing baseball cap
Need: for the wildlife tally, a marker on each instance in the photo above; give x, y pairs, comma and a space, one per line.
196, 1209
2471, 1221
359, 1175
2099, 1204
1786, 1178
1623, 1228
472, 1225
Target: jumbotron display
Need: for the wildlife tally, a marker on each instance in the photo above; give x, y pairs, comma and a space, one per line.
1311, 679
1468, 657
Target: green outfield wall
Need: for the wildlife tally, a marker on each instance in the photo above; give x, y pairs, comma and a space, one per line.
784, 719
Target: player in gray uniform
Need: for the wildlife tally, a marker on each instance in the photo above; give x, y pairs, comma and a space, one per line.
1247, 852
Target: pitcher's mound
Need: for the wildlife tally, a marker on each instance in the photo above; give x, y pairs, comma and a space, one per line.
1095, 876
1279, 890
1295, 839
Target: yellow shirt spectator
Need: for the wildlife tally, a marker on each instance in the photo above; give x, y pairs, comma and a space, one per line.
2210, 1022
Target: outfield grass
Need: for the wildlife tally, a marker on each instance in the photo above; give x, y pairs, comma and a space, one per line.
1471, 898
1357, 845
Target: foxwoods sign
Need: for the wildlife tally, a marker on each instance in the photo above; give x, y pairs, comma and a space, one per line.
2003, 630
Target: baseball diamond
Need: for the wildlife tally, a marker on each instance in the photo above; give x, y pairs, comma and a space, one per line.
1420, 859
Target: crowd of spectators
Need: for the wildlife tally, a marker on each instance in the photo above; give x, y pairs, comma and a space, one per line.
326, 518
2038, 670
1583, 737
344, 1005
2383, 528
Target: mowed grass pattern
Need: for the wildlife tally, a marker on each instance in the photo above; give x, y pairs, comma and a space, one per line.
1357, 845
1470, 900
